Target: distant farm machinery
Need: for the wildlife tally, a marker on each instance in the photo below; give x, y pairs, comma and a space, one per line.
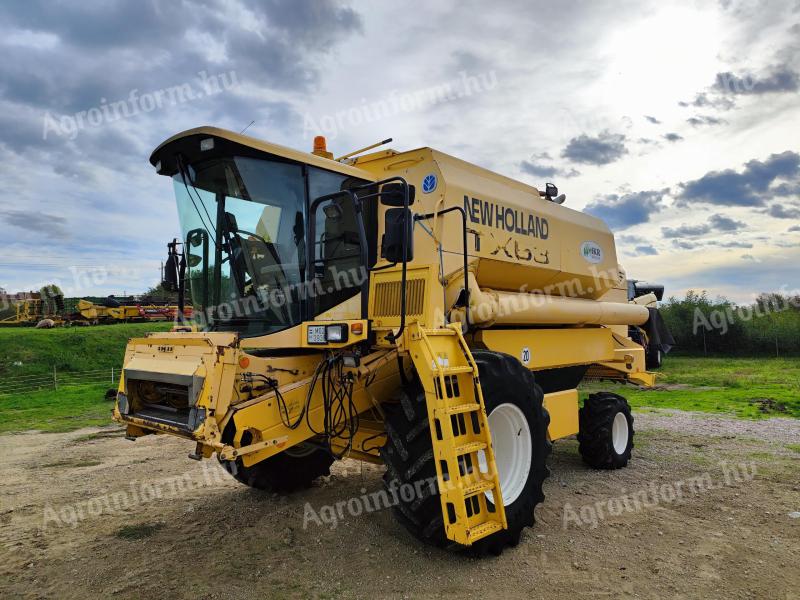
112, 310
36, 311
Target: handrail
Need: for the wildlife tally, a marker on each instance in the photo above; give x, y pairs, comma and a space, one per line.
464, 247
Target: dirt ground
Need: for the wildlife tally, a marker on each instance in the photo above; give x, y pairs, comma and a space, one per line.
88, 514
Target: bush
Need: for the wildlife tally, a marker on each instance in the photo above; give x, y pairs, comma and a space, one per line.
769, 326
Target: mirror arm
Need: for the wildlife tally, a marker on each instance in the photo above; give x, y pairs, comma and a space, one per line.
180, 317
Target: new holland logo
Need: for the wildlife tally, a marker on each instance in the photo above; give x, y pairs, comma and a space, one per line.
592, 252
429, 183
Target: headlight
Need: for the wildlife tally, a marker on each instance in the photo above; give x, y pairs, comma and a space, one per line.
336, 334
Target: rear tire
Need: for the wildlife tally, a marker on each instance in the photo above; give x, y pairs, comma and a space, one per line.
408, 453
653, 357
605, 439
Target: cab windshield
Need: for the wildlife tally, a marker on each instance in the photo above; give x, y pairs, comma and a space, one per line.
244, 226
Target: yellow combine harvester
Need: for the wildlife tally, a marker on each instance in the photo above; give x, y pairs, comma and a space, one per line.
403, 308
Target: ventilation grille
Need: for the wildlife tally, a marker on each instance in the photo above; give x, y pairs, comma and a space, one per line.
387, 298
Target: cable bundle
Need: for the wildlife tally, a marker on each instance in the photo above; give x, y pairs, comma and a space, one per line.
340, 418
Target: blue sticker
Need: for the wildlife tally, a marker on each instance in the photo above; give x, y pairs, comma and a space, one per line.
429, 183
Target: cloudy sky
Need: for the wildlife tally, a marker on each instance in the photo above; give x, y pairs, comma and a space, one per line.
676, 122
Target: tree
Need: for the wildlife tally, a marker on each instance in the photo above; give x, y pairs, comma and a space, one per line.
157, 292
51, 290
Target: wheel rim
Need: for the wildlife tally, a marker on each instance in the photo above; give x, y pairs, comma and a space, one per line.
619, 433
513, 450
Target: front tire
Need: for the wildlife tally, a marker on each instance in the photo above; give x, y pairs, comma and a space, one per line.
605, 439
510, 393
291, 470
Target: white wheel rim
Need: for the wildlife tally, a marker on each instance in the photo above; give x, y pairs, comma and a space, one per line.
619, 433
513, 450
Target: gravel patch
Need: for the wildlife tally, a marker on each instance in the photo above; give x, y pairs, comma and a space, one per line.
775, 429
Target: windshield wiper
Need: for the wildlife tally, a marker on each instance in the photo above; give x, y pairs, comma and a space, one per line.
210, 227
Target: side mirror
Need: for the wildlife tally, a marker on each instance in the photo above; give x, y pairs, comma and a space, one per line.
230, 222
392, 194
170, 282
399, 224
194, 260
550, 190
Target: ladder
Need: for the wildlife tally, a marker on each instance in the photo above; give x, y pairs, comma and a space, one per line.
469, 489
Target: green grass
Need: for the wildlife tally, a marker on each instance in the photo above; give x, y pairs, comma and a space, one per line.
25, 351
745, 387
63, 410
30, 352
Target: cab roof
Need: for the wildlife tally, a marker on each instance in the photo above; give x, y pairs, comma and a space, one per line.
188, 143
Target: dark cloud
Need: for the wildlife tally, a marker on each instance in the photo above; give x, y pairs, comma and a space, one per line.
635, 245
731, 244
684, 245
685, 231
700, 120
106, 51
745, 188
721, 95
794, 228
62, 59
653, 120
786, 189
99, 54
632, 240
38, 222
537, 168
704, 100
646, 251
620, 212
673, 137
779, 211
778, 79
723, 223
716, 222
606, 148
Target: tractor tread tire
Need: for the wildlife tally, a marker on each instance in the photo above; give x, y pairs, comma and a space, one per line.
281, 473
408, 454
653, 358
594, 437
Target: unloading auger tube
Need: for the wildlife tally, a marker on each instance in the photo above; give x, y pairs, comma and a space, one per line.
369, 309
489, 307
